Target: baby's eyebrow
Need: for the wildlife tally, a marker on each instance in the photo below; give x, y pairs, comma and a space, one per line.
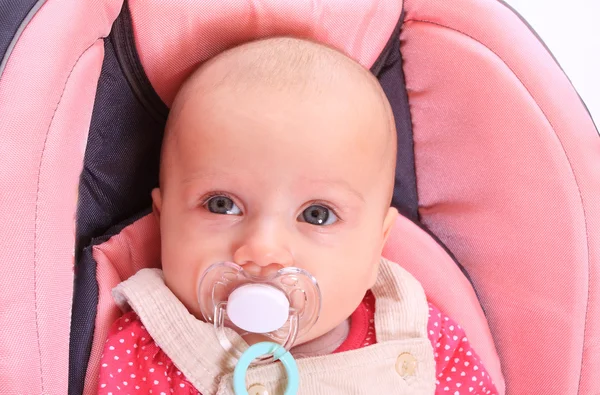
340, 183
208, 176
191, 182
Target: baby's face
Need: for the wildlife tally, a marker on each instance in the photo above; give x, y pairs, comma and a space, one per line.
269, 179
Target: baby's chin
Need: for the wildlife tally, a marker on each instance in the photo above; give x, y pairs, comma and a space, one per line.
254, 338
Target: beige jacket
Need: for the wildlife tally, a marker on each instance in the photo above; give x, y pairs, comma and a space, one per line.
401, 362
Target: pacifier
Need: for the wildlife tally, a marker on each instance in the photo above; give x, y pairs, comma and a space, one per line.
281, 307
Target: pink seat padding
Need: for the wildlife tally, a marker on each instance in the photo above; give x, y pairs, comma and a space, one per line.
46, 98
174, 36
135, 248
508, 173
138, 246
445, 286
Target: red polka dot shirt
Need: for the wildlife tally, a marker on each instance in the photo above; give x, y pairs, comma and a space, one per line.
132, 363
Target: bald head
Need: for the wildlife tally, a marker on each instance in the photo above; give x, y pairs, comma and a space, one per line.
290, 66
283, 63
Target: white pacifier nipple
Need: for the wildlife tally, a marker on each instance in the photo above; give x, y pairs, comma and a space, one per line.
280, 307
258, 308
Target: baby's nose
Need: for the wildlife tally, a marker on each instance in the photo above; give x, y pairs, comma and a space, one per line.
261, 271
262, 256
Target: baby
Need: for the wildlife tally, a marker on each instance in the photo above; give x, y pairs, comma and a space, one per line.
280, 153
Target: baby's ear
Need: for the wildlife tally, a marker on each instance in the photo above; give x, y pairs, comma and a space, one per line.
388, 223
156, 202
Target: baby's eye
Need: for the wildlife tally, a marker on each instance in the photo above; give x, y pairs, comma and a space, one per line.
318, 215
222, 205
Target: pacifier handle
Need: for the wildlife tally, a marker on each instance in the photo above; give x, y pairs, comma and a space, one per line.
257, 350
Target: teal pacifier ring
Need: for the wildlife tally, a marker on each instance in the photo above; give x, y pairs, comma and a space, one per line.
260, 349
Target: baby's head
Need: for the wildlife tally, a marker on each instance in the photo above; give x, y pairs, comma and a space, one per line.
278, 153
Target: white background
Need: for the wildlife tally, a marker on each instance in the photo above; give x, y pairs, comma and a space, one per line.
571, 29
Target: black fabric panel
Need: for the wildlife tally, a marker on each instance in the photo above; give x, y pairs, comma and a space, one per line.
388, 69
12, 14
120, 169
126, 50
121, 159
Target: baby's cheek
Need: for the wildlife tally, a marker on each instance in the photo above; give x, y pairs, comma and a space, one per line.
182, 276
360, 267
340, 297
181, 286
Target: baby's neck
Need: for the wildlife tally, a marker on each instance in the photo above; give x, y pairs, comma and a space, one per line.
325, 344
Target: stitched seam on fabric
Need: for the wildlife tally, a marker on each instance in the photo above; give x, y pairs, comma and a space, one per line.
37, 200
585, 326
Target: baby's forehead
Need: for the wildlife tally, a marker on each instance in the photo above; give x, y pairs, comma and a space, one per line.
286, 64
294, 71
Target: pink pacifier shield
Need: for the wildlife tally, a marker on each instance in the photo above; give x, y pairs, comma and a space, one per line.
258, 308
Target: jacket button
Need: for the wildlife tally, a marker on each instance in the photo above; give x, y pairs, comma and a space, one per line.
406, 365
258, 389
